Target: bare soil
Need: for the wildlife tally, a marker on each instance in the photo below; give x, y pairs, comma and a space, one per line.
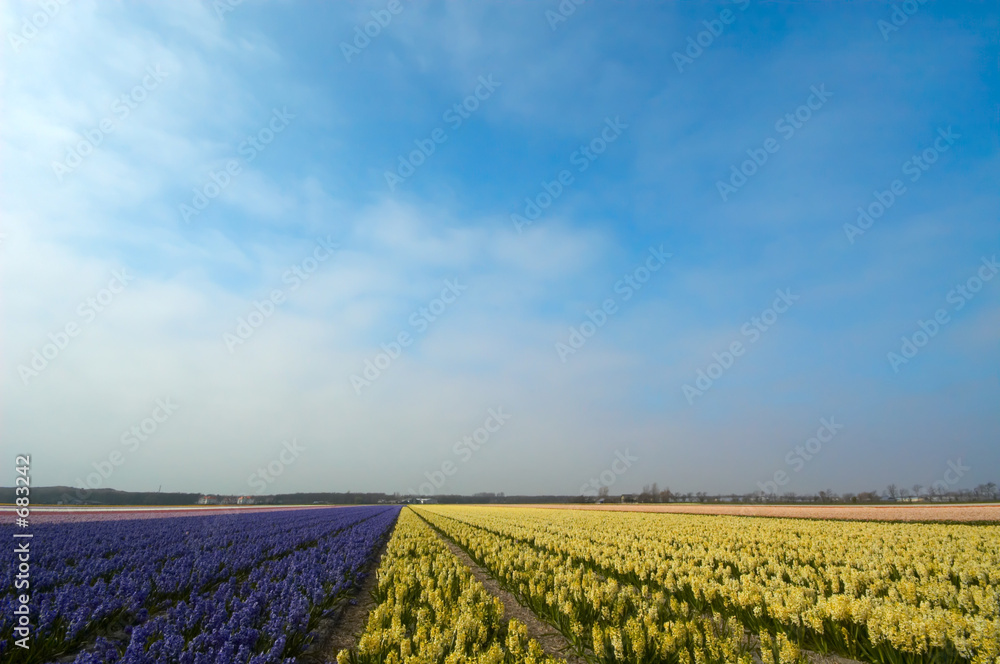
979, 512
552, 642
818, 658
344, 627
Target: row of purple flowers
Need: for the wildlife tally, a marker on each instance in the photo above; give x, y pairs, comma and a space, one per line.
225, 588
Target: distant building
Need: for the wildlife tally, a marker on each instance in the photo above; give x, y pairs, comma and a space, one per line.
225, 500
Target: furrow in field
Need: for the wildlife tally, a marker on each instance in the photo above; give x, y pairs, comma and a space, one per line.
625, 618
431, 608
262, 594
601, 617
552, 641
344, 625
892, 593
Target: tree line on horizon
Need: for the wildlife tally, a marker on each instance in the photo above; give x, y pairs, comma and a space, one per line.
987, 491
650, 493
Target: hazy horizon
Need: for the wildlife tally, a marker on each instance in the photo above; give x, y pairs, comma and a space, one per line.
510, 247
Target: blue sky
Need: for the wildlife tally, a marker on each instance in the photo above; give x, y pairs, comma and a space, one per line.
201, 79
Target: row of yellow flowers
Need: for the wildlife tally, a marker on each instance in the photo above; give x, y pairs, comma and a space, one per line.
882, 592
431, 610
610, 621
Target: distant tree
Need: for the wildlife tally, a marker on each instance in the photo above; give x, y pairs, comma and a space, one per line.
985, 491
917, 488
666, 496
892, 491
602, 492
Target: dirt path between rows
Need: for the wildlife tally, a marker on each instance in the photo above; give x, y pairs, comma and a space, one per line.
343, 629
552, 642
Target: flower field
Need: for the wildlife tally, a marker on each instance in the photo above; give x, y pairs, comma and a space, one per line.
264, 587
206, 589
638, 587
431, 610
